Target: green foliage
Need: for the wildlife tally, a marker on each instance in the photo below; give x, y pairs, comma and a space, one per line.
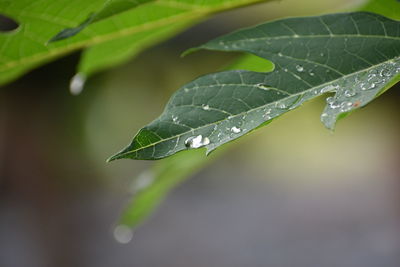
111, 32
353, 55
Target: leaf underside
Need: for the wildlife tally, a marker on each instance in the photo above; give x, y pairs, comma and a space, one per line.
353, 55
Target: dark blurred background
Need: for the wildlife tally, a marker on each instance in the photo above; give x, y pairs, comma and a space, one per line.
290, 194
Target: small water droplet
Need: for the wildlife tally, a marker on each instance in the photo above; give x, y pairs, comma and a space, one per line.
324, 115
350, 92
346, 106
281, 105
311, 73
385, 73
329, 88
299, 68
197, 141
206, 107
235, 129
123, 234
263, 86
77, 83
285, 70
280, 54
330, 100
322, 54
186, 90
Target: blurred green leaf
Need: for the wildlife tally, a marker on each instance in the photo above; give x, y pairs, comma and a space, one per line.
388, 8
121, 29
354, 55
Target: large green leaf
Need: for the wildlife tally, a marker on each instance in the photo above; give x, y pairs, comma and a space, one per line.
152, 186
121, 29
354, 55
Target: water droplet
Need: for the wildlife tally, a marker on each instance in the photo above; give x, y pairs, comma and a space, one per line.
197, 141
263, 86
346, 106
350, 92
281, 105
330, 100
295, 36
285, 70
77, 83
123, 234
311, 73
206, 107
280, 54
235, 129
322, 54
385, 73
299, 68
324, 115
329, 88
175, 119
186, 90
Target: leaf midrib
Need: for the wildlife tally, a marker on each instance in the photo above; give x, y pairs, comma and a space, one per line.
251, 110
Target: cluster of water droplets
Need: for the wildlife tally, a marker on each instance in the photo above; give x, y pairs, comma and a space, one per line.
356, 91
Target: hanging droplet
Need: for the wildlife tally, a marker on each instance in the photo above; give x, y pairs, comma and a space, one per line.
77, 83
235, 129
206, 107
299, 68
123, 234
197, 141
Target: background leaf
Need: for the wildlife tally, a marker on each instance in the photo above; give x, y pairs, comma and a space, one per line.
354, 55
114, 37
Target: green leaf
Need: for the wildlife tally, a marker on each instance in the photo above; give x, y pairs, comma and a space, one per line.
121, 29
388, 8
152, 186
353, 55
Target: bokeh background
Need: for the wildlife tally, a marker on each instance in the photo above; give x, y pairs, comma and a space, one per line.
290, 194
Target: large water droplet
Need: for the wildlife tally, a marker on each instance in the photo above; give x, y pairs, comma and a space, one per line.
77, 83
197, 141
299, 68
123, 234
235, 129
